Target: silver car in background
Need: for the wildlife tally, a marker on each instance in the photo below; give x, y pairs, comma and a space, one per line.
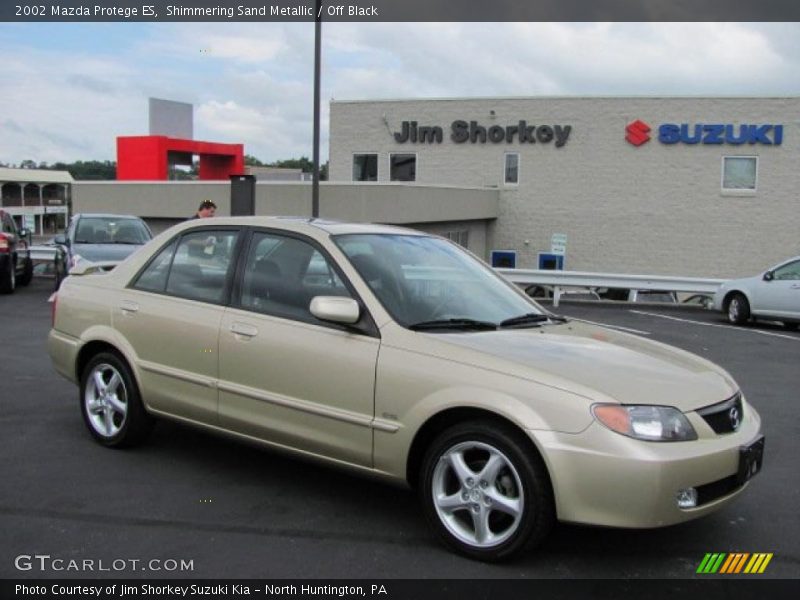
774, 294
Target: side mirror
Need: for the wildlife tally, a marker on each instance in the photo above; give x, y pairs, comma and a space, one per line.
335, 309
61, 239
768, 276
24, 232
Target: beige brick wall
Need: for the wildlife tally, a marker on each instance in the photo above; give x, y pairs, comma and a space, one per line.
653, 209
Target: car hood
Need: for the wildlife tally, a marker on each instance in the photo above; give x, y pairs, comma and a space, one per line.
586, 359
104, 252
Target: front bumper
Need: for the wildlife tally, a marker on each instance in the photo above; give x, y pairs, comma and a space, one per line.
603, 478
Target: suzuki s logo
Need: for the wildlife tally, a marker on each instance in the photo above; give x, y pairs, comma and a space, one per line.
636, 132
733, 415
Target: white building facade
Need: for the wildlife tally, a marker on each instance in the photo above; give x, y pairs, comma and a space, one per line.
687, 186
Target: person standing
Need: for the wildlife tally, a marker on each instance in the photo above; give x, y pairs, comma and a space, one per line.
206, 209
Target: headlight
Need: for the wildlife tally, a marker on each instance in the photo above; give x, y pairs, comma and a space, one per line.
649, 423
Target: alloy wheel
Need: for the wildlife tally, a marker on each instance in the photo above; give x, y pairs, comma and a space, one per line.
478, 494
106, 400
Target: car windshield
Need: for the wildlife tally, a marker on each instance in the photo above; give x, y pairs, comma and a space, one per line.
426, 282
110, 230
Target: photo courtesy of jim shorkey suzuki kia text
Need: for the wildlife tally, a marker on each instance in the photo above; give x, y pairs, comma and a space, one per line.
190, 590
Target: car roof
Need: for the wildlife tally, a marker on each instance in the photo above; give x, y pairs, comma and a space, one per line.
307, 225
104, 216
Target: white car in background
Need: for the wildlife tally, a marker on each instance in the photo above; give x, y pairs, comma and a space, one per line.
774, 294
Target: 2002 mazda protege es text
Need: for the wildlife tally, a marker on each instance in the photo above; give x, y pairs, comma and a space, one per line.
399, 354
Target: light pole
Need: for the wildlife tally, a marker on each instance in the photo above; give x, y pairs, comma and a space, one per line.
317, 56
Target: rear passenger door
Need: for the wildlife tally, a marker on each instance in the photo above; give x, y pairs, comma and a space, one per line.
285, 376
170, 315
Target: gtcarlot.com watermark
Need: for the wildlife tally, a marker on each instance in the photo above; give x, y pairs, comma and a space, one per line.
46, 562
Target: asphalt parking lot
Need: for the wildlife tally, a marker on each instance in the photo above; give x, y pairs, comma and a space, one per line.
238, 511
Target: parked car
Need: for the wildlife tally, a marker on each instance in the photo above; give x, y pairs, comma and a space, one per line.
397, 354
773, 294
98, 238
16, 266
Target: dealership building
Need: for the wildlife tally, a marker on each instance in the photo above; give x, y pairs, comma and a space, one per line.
677, 185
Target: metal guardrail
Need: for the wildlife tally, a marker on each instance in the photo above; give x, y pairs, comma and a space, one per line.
560, 279
43, 253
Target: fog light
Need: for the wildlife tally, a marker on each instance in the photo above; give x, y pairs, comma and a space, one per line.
687, 498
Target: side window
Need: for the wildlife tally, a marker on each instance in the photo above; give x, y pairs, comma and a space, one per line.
154, 277
198, 268
788, 272
8, 224
282, 275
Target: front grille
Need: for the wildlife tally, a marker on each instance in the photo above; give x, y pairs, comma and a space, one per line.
716, 489
724, 417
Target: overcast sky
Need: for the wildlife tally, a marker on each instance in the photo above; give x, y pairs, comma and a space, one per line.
68, 90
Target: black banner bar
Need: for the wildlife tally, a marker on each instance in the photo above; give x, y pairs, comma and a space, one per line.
744, 587
398, 11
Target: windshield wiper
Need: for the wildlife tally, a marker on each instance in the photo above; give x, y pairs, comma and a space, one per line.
532, 319
558, 318
470, 324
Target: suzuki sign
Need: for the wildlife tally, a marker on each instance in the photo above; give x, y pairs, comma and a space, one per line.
636, 133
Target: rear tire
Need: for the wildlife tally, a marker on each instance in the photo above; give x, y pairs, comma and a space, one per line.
738, 309
8, 279
111, 404
27, 273
485, 491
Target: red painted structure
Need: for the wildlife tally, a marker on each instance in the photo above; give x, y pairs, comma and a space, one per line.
147, 157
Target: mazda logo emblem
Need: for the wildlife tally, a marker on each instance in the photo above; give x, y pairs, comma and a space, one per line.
733, 415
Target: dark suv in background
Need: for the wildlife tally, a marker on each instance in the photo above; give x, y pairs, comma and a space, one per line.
16, 266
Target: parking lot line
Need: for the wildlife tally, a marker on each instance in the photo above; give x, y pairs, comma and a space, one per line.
628, 329
733, 327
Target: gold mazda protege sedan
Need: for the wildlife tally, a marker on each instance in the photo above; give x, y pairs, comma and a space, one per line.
398, 354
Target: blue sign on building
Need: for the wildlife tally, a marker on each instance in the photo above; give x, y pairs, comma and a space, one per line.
769, 135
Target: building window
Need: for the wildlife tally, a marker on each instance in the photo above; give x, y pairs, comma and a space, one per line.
403, 167
365, 167
739, 173
459, 237
512, 168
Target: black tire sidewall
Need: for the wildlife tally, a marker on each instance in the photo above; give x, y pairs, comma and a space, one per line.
744, 309
538, 513
137, 421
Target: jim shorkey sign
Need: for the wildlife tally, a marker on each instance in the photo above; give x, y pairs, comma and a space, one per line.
473, 132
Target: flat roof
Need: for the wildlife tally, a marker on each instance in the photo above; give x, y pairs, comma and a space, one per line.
583, 97
34, 176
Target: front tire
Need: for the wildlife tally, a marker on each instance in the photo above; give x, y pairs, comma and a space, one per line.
738, 309
485, 491
111, 404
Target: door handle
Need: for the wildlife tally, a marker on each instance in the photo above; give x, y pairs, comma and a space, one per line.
796, 286
128, 306
244, 329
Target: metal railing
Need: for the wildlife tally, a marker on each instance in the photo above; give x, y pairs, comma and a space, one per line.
43, 253
560, 279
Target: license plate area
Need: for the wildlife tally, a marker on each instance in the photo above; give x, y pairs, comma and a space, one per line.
750, 460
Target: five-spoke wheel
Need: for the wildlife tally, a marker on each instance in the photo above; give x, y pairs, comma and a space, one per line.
485, 490
110, 402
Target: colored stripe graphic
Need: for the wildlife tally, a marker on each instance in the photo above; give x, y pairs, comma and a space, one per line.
734, 563
758, 563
